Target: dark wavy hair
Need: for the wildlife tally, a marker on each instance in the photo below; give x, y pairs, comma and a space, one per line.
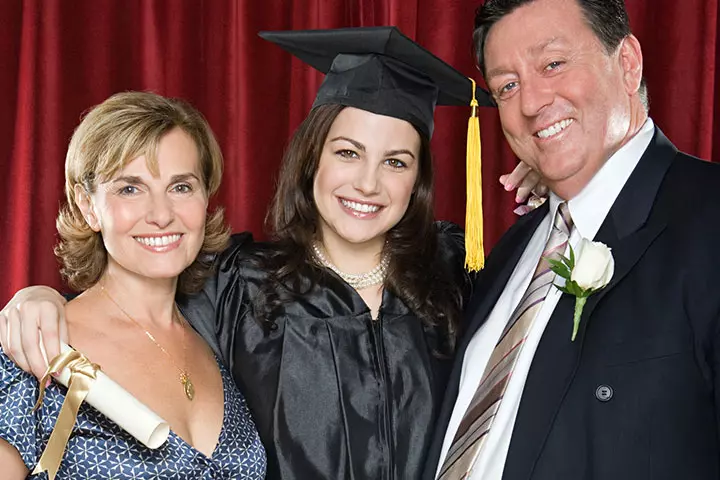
426, 288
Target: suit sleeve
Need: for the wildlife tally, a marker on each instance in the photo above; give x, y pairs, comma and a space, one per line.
713, 297
701, 299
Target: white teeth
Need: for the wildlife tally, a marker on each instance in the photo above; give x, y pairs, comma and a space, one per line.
360, 207
555, 128
158, 241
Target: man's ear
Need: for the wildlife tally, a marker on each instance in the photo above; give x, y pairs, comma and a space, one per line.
87, 207
631, 62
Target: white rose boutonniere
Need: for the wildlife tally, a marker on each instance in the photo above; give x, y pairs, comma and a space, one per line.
585, 273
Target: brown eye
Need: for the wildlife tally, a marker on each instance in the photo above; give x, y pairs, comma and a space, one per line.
347, 153
182, 188
395, 163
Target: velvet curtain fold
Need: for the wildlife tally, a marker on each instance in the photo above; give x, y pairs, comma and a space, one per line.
59, 57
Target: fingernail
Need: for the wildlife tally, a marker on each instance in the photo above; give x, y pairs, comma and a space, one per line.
509, 186
48, 383
521, 210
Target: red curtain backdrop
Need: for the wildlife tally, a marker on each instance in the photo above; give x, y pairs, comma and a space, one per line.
58, 58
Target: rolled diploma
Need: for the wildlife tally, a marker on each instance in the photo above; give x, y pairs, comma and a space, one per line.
126, 411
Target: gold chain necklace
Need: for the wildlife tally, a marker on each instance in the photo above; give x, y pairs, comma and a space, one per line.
187, 384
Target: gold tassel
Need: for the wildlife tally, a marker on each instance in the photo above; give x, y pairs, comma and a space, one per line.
82, 376
474, 251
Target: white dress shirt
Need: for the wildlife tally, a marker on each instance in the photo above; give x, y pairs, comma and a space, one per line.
588, 210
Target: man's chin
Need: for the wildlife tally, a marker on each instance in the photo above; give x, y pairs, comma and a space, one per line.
567, 184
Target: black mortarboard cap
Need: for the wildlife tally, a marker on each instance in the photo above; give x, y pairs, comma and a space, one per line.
380, 70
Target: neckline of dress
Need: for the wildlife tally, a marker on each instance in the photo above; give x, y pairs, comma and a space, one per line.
223, 426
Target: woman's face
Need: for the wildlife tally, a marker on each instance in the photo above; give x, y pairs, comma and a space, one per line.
154, 226
365, 177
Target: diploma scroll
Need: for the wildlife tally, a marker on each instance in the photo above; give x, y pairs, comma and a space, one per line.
113, 401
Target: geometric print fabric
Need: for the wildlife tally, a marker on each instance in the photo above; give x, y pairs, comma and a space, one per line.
99, 449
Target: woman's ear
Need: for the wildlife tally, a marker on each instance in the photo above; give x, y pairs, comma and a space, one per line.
87, 207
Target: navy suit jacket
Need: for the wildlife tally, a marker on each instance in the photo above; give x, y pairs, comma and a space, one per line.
635, 396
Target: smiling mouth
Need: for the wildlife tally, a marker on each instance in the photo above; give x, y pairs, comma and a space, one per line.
554, 129
159, 241
360, 207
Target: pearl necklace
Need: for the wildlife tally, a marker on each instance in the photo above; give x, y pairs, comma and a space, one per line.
358, 281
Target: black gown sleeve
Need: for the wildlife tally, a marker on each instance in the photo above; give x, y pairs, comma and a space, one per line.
451, 251
201, 309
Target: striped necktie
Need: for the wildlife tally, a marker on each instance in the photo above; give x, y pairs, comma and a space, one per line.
478, 418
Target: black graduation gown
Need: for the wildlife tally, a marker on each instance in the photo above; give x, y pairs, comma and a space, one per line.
334, 393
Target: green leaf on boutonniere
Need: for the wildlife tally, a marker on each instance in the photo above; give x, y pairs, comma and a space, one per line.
575, 289
579, 305
559, 267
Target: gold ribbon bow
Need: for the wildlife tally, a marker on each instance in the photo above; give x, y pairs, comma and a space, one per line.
82, 376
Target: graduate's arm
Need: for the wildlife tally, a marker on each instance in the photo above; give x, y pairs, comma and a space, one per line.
526, 181
32, 312
203, 309
529, 185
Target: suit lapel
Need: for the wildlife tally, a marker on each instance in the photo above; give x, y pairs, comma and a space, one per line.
627, 253
633, 223
629, 228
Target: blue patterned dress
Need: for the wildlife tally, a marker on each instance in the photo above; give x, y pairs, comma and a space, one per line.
99, 449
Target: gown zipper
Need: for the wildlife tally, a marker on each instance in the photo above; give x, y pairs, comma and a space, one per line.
376, 326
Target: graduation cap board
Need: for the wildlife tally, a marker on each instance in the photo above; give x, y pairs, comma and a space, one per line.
380, 70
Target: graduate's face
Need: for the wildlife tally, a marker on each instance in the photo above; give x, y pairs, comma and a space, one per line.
564, 101
152, 226
366, 175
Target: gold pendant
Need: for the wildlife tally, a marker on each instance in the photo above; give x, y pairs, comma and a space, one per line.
188, 386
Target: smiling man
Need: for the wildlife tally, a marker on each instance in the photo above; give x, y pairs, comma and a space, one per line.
635, 394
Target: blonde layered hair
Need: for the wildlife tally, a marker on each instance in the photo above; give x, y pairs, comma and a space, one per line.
111, 135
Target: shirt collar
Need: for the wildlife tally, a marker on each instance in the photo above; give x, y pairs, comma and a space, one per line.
590, 207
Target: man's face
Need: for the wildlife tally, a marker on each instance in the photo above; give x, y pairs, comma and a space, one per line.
563, 100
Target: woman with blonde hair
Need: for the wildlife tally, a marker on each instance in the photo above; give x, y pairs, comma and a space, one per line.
134, 233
